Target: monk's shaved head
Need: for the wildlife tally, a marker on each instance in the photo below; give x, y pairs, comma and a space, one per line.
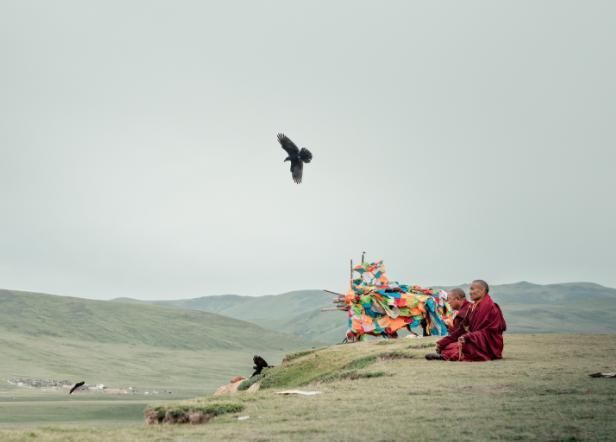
458, 293
456, 298
482, 283
478, 289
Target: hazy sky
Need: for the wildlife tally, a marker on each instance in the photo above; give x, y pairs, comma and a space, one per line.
454, 140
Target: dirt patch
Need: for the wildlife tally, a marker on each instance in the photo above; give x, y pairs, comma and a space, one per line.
422, 345
231, 388
393, 355
189, 414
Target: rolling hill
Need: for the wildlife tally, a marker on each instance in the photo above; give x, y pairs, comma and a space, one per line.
36, 314
568, 307
298, 312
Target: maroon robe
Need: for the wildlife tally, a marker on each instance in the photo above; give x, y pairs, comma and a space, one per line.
456, 331
482, 329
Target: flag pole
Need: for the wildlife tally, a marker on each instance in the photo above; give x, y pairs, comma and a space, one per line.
351, 275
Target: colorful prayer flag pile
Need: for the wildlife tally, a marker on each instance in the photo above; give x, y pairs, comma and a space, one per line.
380, 307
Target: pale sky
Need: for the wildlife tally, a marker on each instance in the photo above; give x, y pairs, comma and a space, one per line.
455, 140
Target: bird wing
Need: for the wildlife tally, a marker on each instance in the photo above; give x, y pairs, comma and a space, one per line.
259, 361
76, 386
287, 144
305, 155
297, 168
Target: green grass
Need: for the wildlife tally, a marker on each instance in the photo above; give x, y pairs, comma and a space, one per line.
396, 355
359, 363
312, 366
92, 411
351, 375
184, 372
540, 391
298, 354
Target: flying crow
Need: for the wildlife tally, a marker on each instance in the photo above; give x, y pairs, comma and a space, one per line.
296, 156
76, 386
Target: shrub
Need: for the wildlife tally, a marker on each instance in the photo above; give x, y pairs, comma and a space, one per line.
184, 413
246, 383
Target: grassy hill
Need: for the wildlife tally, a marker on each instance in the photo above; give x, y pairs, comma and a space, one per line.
128, 344
386, 390
296, 312
273, 310
35, 314
568, 307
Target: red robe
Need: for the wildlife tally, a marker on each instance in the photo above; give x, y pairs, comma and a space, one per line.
482, 329
456, 330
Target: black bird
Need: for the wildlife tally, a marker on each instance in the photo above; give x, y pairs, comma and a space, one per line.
76, 386
260, 364
296, 156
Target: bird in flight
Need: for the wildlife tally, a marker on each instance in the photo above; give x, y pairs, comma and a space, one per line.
296, 156
76, 386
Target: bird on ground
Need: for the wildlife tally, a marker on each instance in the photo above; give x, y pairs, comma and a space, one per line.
296, 156
76, 386
260, 364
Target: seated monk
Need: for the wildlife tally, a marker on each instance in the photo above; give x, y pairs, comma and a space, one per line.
479, 336
456, 298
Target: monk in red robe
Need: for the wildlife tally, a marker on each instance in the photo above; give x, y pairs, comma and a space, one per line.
456, 298
479, 336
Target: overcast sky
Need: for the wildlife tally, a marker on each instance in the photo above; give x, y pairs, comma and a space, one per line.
454, 140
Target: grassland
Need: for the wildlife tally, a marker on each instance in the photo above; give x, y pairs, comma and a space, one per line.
120, 345
181, 371
153, 349
540, 391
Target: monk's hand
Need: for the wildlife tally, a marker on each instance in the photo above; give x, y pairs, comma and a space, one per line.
461, 340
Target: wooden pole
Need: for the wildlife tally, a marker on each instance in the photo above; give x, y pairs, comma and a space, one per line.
333, 293
351, 275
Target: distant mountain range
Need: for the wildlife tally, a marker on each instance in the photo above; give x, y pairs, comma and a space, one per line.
38, 314
296, 312
579, 307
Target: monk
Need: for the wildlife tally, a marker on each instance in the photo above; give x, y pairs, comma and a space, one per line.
456, 298
479, 336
